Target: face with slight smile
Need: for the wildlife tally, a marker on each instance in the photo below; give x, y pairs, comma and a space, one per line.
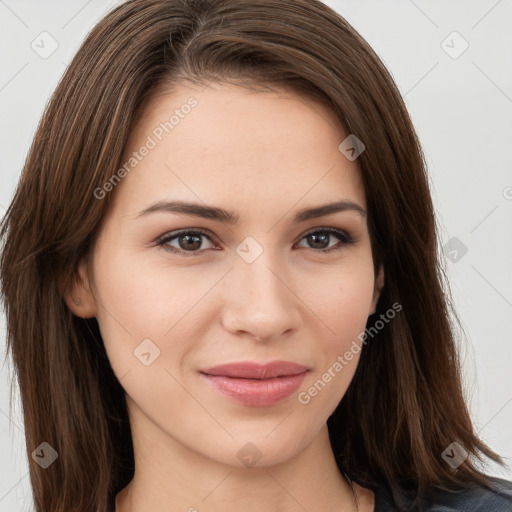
172, 302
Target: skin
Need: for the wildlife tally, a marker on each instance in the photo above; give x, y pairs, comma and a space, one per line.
263, 155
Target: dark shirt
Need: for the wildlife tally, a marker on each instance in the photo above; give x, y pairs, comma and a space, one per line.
476, 499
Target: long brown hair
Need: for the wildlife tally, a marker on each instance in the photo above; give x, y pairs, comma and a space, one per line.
405, 405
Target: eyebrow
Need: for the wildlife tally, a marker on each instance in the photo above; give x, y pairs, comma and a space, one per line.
230, 217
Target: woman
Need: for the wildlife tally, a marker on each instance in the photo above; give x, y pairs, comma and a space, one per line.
221, 279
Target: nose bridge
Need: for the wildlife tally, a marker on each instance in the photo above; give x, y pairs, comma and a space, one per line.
259, 301
260, 281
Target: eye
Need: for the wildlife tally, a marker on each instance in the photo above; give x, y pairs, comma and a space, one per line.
189, 241
321, 237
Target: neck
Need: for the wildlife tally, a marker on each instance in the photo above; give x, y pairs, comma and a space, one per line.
170, 477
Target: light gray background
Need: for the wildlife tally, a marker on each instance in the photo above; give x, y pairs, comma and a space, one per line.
462, 109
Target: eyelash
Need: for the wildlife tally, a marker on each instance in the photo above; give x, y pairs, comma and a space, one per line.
345, 239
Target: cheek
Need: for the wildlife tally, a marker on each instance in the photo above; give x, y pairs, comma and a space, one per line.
342, 306
342, 300
351, 306
137, 303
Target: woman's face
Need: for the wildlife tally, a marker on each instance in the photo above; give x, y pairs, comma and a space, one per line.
253, 289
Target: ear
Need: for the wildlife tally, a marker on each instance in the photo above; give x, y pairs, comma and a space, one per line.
78, 295
379, 284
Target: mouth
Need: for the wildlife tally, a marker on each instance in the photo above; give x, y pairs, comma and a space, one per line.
254, 384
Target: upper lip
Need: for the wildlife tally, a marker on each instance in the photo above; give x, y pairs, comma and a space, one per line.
252, 370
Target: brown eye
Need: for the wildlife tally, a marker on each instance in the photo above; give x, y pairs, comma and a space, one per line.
190, 242
187, 241
319, 239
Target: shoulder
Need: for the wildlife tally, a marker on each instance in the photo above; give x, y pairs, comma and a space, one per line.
473, 499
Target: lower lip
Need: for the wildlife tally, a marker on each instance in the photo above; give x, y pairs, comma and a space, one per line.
254, 392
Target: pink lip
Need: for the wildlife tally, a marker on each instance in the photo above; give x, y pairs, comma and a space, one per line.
254, 384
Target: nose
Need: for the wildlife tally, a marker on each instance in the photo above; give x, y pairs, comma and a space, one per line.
258, 301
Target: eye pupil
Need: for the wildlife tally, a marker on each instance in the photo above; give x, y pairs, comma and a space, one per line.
188, 239
322, 239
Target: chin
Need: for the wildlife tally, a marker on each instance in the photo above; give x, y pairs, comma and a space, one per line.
258, 447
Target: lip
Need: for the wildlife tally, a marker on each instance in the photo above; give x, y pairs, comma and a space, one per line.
257, 385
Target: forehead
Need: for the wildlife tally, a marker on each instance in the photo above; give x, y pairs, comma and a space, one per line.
229, 143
